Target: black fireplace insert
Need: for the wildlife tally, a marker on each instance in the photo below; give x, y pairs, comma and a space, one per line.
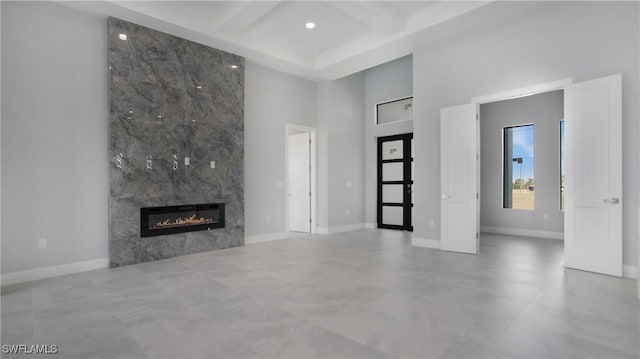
155, 221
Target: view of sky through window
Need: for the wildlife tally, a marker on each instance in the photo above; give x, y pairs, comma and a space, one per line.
522, 148
518, 180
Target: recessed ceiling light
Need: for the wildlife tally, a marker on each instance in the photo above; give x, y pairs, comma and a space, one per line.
122, 36
159, 116
310, 25
234, 66
198, 87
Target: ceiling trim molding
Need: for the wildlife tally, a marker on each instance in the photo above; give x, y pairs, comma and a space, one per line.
364, 52
372, 14
247, 15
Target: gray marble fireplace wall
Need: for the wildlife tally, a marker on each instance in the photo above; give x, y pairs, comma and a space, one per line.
172, 99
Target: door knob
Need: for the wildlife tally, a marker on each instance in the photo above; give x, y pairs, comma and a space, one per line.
613, 200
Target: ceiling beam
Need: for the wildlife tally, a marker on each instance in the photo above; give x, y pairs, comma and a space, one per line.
246, 15
375, 15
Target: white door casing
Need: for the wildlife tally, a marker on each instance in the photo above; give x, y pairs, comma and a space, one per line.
299, 182
459, 179
593, 193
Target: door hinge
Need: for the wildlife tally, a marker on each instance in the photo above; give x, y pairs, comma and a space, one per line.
478, 195
477, 235
309, 220
309, 194
477, 117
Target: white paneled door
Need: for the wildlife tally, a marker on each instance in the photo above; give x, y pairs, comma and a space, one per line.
300, 182
459, 179
593, 202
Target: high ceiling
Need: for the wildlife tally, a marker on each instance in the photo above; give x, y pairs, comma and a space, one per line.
349, 36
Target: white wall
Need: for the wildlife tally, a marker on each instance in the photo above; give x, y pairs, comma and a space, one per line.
272, 99
389, 81
341, 152
54, 136
55, 116
544, 111
509, 45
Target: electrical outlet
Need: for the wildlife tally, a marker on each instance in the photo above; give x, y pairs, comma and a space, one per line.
42, 243
545, 216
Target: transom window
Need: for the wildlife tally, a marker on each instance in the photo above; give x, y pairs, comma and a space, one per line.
394, 111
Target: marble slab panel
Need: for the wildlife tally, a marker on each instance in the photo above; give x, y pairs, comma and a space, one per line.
171, 99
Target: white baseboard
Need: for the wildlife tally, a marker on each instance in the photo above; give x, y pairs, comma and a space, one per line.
340, 229
265, 237
371, 225
629, 271
523, 232
53, 271
424, 242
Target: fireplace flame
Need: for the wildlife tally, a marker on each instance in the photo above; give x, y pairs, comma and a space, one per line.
183, 221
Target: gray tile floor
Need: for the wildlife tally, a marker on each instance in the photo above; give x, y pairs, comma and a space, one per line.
362, 294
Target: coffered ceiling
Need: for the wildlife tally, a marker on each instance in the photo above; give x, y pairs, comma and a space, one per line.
349, 36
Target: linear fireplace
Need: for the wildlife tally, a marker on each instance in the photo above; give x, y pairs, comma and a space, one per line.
155, 221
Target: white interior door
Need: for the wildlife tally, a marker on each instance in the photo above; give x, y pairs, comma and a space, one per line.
300, 182
593, 207
459, 179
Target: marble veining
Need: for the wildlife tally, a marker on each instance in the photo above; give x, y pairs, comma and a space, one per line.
174, 107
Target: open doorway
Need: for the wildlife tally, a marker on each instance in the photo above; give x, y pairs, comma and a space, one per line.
592, 205
300, 178
521, 174
521, 179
